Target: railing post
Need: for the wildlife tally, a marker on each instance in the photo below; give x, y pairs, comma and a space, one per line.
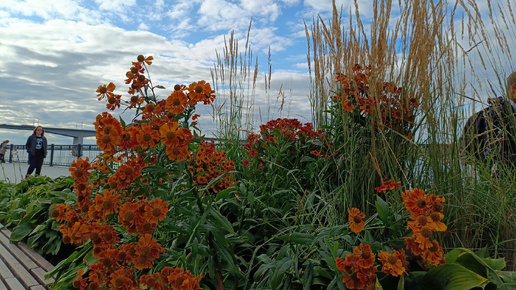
10, 153
52, 155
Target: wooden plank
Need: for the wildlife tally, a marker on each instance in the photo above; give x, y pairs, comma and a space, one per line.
4, 270
37, 258
19, 254
17, 268
39, 273
14, 284
2, 284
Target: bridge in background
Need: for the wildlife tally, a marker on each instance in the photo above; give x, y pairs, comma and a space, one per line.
77, 135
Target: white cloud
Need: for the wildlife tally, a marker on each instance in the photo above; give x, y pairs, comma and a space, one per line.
115, 5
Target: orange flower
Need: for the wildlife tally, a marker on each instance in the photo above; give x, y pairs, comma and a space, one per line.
422, 236
356, 222
104, 91
179, 279
147, 137
177, 102
415, 201
347, 105
391, 264
200, 92
142, 59
122, 279
434, 255
169, 134
366, 255
156, 210
435, 222
177, 151
146, 252
388, 184
128, 138
79, 169
107, 203
130, 216
153, 281
79, 282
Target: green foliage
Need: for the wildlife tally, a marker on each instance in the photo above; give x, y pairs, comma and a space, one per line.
26, 207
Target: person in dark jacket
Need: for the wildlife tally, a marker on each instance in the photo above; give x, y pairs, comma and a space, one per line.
37, 149
490, 134
3, 148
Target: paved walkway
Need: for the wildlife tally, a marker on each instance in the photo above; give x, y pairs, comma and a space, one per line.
15, 172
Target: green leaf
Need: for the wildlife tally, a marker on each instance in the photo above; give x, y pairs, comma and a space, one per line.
279, 272
298, 238
450, 277
221, 221
383, 209
21, 231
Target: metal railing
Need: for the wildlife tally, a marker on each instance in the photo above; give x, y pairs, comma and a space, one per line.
57, 155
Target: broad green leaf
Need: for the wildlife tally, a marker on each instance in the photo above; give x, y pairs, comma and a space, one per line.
21, 231
383, 209
452, 277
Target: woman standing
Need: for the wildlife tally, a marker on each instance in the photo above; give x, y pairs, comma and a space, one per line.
3, 148
37, 149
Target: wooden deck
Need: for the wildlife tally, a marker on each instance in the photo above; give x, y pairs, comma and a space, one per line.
21, 268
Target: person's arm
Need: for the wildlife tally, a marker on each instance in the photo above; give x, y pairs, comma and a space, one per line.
44, 147
27, 145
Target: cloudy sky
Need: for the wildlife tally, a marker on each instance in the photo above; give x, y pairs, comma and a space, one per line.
55, 53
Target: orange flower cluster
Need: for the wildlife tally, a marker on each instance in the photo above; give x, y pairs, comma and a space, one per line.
288, 130
394, 264
209, 164
358, 270
171, 278
356, 220
114, 203
395, 110
89, 219
426, 218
